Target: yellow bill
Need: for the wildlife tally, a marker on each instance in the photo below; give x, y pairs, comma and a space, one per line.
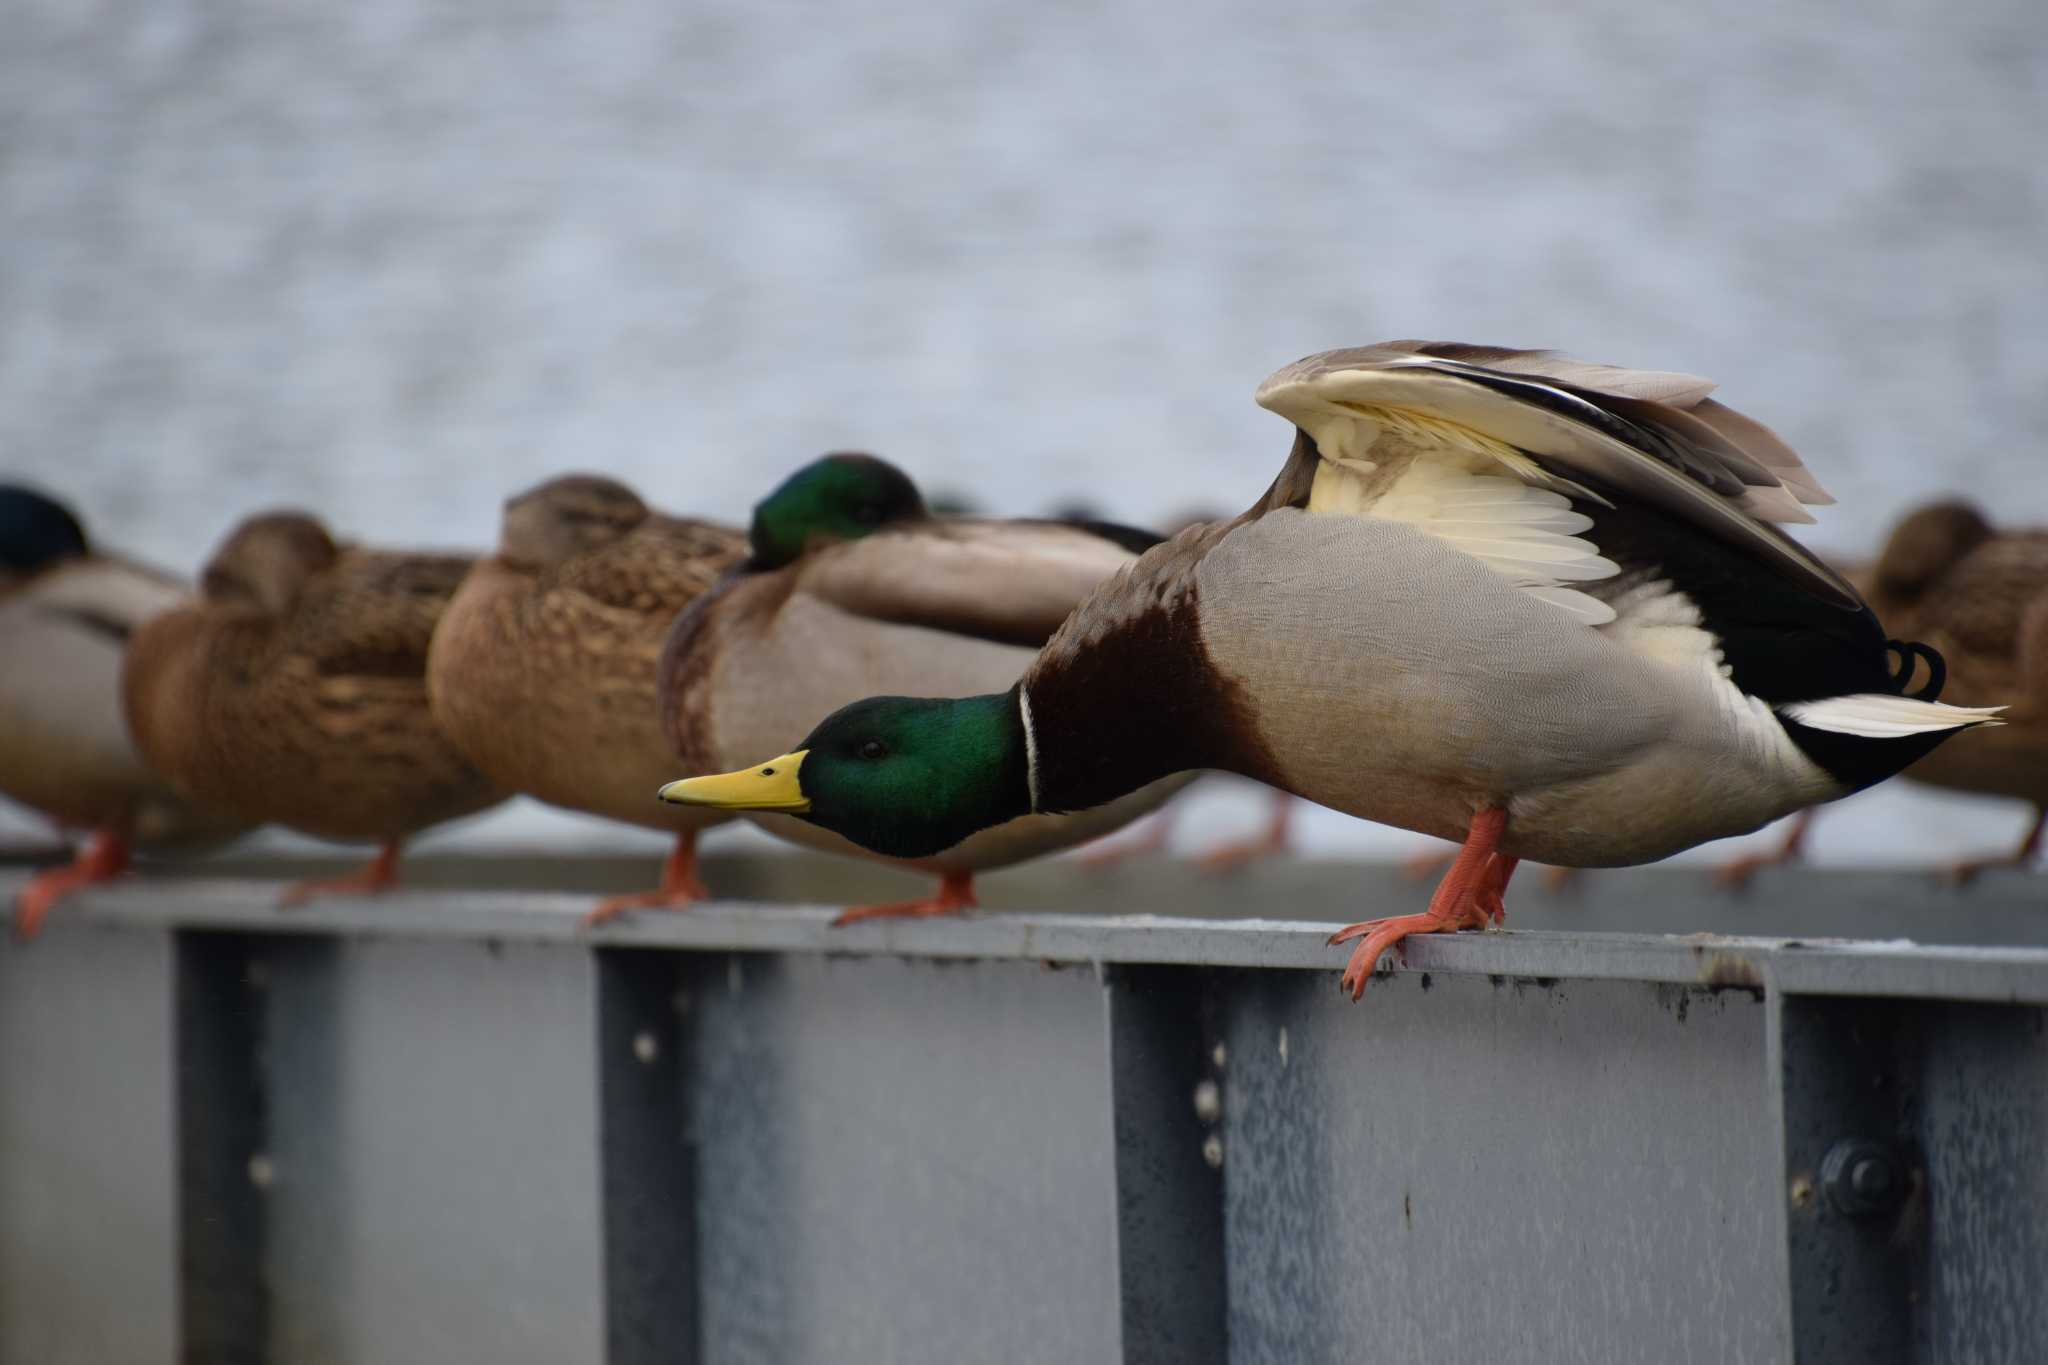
766, 786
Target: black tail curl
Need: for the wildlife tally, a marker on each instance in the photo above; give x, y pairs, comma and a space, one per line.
1908, 651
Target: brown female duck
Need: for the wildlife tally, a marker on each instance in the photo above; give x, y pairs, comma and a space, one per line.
296, 692
542, 668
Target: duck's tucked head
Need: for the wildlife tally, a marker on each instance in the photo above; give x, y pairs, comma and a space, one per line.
836, 497
35, 532
566, 517
906, 777
1925, 545
266, 560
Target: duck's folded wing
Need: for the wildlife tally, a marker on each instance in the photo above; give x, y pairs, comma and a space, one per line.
1566, 427
1009, 582
111, 597
664, 562
374, 614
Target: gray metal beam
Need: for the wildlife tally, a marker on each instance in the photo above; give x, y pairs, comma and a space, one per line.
454, 1126
224, 1298
649, 1164
1796, 967
1165, 1100
88, 1149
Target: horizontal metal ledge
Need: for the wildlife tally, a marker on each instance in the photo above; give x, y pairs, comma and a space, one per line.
1833, 967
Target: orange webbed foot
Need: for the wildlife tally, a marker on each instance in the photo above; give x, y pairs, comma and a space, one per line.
956, 893
1378, 935
1471, 896
1737, 873
1967, 870
679, 889
380, 876
104, 858
1270, 842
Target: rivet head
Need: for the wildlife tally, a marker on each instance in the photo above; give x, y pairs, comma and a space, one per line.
1208, 1101
1863, 1178
645, 1047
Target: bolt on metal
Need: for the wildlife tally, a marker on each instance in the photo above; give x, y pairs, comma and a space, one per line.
1862, 1178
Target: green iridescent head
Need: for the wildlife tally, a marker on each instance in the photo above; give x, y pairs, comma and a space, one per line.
837, 497
906, 777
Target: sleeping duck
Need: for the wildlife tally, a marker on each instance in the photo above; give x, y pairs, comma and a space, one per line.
1979, 596
542, 668
853, 588
66, 612
1530, 604
296, 692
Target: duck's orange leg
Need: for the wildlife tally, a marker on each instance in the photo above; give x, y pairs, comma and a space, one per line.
956, 893
105, 858
1964, 872
1736, 873
1492, 890
380, 875
679, 888
1267, 843
1469, 896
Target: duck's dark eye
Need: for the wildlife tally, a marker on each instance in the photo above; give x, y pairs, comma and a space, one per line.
767, 772
874, 748
868, 514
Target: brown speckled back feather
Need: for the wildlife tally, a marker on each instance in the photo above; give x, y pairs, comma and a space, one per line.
1987, 612
315, 717
546, 676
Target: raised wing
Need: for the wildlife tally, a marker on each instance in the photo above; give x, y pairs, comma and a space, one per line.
1486, 447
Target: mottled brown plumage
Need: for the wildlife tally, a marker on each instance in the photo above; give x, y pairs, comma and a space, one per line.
1980, 596
296, 691
543, 668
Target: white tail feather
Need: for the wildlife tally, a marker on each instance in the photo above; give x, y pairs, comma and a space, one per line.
1877, 715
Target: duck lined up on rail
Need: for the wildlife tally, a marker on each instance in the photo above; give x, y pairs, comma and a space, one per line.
1538, 606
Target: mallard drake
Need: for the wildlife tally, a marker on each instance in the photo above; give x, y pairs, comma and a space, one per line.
542, 668
66, 612
1504, 597
1979, 596
296, 692
1274, 838
852, 588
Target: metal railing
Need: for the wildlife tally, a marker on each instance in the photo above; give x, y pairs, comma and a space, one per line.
451, 1126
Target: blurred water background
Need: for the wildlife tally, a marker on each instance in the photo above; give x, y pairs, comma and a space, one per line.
396, 259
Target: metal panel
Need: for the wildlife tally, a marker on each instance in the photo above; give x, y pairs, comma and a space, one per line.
453, 1126
1981, 1078
432, 1175
223, 1235
650, 1174
1169, 1185
1465, 1169
88, 1238
904, 1161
